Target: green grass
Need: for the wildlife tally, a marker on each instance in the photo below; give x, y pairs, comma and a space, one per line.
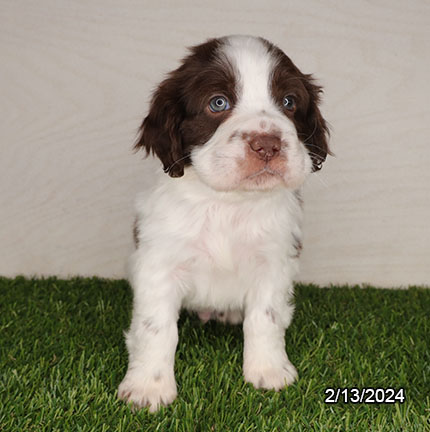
62, 356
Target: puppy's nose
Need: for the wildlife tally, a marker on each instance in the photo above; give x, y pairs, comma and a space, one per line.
266, 146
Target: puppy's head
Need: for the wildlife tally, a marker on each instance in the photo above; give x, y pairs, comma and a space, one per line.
241, 114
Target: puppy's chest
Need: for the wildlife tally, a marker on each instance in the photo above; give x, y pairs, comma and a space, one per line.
224, 247
231, 250
231, 241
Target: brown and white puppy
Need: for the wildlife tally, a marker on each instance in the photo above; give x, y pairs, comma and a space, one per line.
238, 129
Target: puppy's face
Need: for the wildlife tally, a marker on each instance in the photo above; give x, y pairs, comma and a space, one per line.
241, 114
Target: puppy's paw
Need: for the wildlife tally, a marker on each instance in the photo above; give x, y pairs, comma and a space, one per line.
270, 376
145, 390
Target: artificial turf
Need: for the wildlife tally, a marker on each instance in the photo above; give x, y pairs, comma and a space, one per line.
62, 356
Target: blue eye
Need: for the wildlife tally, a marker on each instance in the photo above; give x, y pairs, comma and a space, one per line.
289, 103
218, 104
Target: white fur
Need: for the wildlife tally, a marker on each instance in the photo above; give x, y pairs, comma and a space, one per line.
209, 241
219, 161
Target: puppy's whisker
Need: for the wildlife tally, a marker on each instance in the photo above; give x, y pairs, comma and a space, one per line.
312, 145
312, 134
317, 176
311, 153
318, 158
167, 170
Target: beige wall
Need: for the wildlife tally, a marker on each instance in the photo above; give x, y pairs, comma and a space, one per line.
75, 79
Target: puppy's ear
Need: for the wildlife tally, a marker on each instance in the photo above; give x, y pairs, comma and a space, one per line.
160, 130
317, 130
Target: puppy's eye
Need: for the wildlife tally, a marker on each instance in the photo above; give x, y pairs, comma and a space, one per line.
289, 103
218, 104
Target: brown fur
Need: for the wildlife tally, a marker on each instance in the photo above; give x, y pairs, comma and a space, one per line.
179, 118
311, 126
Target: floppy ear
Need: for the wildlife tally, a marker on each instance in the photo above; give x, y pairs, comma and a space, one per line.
160, 130
317, 131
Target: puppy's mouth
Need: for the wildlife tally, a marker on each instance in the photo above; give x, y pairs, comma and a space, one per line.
266, 171
262, 179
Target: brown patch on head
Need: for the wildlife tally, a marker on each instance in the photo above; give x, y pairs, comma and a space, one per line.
179, 118
311, 127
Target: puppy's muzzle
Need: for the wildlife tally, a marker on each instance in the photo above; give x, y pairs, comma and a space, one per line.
265, 146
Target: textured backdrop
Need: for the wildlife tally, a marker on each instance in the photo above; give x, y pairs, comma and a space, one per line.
75, 81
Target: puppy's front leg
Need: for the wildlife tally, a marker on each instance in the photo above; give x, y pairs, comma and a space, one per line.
151, 343
266, 364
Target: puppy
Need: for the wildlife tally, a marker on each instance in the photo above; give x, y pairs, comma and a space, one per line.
238, 129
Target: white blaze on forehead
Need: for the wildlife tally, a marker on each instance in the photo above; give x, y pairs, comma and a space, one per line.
226, 162
253, 66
